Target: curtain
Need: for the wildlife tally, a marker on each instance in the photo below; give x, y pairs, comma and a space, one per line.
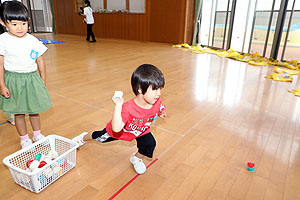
197, 12
53, 24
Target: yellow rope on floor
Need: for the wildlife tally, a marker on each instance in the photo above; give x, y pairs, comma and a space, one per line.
252, 59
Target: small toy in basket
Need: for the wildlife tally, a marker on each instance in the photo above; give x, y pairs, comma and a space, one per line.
40, 164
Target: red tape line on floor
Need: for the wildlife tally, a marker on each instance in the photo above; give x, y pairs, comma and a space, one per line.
129, 182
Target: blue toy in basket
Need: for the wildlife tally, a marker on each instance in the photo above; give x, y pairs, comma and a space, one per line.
63, 159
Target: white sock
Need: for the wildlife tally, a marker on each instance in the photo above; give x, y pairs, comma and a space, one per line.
24, 137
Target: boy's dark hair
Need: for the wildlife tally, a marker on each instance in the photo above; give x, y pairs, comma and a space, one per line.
146, 75
13, 10
2, 30
87, 2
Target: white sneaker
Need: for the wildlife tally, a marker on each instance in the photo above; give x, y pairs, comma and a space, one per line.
11, 119
26, 143
79, 138
138, 164
37, 138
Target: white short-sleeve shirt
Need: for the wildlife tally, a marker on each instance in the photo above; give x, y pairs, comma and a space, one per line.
20, 54
89, 15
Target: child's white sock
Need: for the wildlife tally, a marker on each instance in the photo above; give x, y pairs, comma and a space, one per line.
24, 137
36, 133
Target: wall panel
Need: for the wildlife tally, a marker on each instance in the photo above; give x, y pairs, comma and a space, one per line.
164, 21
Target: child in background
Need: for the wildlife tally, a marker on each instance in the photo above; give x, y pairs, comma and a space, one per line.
89, 20
132, 119
22, 89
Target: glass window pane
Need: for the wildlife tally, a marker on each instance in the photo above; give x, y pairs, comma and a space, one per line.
116, 4
260, 32
97, 4
42, 22
222, 5
137, 6
264, 5
219, 29
271, 34
220, 23
293, 42
205, 23
297, 5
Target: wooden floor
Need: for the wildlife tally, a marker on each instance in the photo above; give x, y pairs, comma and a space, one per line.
221, 114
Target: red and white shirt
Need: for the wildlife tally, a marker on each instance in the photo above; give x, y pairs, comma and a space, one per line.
137, 120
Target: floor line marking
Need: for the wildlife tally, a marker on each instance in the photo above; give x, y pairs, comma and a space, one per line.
173, 132
162, 154
172, 145
4, 123
130, 181
89, 105
8, 122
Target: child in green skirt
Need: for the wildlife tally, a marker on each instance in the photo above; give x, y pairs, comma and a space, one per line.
22, 89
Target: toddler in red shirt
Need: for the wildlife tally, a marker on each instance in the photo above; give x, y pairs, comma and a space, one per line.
132, 119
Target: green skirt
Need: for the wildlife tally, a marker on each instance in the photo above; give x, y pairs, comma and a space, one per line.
28, 94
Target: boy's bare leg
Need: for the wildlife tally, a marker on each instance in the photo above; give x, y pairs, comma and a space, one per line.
140, 156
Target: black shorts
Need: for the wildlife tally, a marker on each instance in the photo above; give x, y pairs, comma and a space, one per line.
145, 144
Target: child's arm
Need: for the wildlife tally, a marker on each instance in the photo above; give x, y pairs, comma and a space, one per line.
117, 123
3, 89
42, 69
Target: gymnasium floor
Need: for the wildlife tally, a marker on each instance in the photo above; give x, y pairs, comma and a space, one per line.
221, 114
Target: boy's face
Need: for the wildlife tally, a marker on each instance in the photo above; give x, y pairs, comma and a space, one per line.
151, 95
17, 28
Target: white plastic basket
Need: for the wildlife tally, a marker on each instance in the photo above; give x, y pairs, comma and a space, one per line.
41, 178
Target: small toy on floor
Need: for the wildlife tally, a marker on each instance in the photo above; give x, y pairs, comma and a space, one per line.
251, 166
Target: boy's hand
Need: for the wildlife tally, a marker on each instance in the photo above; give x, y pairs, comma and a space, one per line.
118, 100
118, 97
5, 92
163, 115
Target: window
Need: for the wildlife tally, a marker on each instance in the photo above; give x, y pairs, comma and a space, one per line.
137, 6
116, 4
106, 6
97, 4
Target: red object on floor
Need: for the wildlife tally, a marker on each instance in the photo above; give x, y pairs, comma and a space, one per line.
250, 165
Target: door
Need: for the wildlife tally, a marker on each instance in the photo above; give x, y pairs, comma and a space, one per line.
263, 27
290, 39
221, 23
40, 15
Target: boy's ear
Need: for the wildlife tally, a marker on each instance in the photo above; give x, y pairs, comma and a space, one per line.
140, 90
2, 23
